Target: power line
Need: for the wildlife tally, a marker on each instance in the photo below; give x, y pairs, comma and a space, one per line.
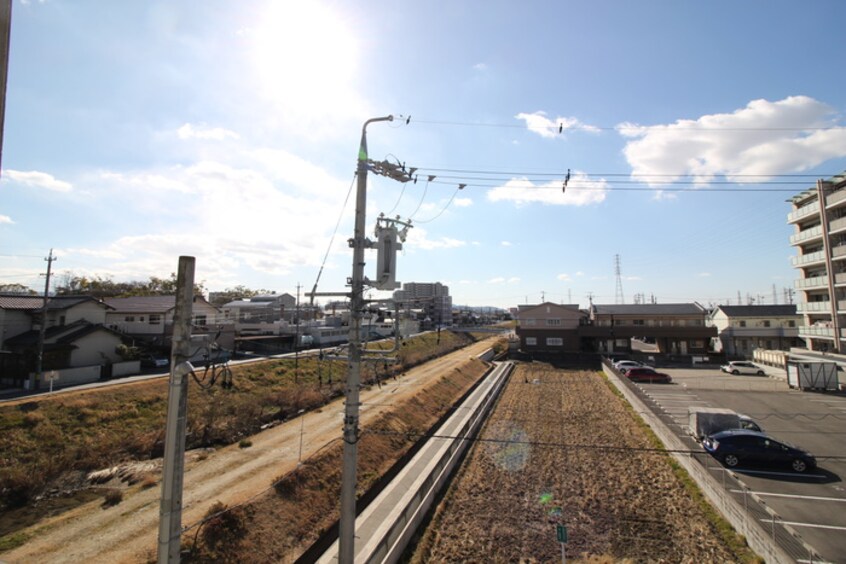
558, 125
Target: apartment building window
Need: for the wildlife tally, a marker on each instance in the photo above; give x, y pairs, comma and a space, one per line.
638, 322
155, 319
741, 323
129, 318
529, 322
200, 320
553, 322
766, 323
554, 341
531, 341
791, 323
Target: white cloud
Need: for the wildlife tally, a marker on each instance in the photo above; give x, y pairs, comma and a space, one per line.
480, 67
5, 219
462, 202
537, 122
763, 139
704, 274
504, 280
581, 191
418, 239
37, 180
506, 243
190, 131
564, 277
229, 217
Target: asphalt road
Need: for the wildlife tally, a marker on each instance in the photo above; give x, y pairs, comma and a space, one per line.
812, 506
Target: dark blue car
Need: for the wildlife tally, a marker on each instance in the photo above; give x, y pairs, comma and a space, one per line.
740, 446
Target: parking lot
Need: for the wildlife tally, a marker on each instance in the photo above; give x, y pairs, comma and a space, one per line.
811, 506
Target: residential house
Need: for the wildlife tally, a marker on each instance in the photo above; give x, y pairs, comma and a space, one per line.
149, 319
550, 328
742, 329
677, 329
74, 334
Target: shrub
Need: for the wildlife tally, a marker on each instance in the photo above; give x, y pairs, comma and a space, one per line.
245, 443
113, 497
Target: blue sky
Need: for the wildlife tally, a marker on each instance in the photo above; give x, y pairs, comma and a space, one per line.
137, 132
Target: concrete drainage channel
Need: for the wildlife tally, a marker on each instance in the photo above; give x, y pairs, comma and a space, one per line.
774, 542
386, 526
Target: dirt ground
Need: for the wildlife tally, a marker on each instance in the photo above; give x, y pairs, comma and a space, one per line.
127, 532
561, 448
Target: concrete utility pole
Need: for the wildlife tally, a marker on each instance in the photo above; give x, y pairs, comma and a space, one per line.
170, 513
42, 330
346, 530
5, 36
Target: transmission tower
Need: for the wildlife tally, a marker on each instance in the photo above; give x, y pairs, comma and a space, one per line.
619, 299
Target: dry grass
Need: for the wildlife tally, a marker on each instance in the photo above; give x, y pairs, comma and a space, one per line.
44, 438
304, 503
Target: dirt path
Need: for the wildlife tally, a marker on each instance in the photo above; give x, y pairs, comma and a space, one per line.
128, 531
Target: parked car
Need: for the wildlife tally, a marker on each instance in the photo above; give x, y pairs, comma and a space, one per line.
646, 374
154, 361
740, 446
624, 365
742, 367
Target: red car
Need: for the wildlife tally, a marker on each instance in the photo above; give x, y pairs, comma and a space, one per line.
646, 374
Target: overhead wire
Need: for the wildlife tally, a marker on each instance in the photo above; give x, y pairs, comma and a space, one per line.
334, 233
558, 125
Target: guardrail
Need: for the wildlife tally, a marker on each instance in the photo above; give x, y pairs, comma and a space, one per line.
763, 541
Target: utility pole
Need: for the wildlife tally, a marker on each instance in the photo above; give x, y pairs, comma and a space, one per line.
346, 529
170, 512
35, 378
297, 339
5, 35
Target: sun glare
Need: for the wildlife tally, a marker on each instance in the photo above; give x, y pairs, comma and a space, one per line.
305, 56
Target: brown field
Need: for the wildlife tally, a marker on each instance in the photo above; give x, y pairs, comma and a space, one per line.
562, 448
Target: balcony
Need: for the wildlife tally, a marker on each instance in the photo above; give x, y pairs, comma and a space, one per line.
837, 226
815, 282
840, 278
814, 307
834, 198
803, 212
817, 331
807, 235
808, 259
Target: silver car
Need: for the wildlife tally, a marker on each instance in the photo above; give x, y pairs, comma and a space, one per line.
742, 367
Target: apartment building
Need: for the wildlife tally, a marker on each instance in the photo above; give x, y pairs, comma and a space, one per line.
819, 219
431, 297
745, 328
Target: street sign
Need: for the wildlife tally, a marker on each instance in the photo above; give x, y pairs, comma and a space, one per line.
562, 533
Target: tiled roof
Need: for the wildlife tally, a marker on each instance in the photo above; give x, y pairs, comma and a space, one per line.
58, 334
30, 303
155, 304
766, 310
18, 301
147, 304
650, 309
